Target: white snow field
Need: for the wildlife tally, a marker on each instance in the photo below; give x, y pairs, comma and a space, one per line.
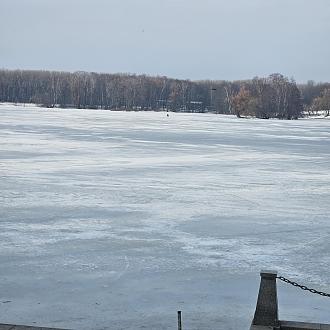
116, 220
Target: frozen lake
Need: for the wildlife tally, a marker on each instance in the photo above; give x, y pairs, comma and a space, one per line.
116, 220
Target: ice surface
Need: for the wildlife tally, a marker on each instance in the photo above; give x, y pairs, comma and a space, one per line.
116, 220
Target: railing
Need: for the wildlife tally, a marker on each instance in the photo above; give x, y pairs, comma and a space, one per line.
266, 313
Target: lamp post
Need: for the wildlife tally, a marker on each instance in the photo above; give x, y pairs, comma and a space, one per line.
211, 92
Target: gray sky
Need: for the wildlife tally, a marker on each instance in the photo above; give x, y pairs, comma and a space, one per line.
194, 39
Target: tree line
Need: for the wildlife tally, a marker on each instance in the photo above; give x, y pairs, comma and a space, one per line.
273, 97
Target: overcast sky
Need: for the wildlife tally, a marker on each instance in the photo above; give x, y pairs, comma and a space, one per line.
194, 39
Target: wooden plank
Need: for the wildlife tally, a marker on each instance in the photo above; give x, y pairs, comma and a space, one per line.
291, 325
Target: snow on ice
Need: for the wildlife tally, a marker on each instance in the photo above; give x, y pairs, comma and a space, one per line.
116, 220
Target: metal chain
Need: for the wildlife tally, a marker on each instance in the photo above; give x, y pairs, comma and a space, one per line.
303, 287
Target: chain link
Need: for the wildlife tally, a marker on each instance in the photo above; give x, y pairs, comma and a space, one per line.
303, 287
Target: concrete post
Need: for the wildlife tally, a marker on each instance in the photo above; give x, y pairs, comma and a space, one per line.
266, 313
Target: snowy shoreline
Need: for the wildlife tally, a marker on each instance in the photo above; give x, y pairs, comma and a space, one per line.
38, 106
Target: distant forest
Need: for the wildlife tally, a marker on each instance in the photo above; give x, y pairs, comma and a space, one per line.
275, 96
